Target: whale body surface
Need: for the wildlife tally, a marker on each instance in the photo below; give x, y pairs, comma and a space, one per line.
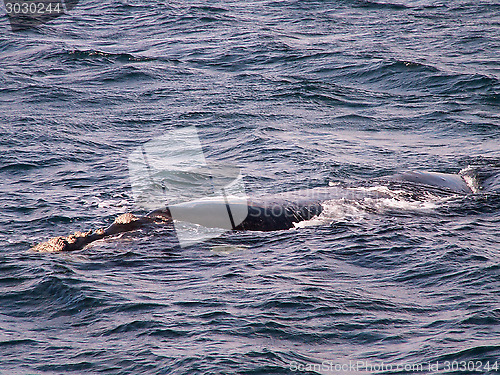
265, 213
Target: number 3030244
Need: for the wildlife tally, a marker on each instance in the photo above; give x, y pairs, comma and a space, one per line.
33, 8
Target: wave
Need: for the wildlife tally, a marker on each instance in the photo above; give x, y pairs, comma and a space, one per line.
51, 296
380, 5
405, 75
103, 56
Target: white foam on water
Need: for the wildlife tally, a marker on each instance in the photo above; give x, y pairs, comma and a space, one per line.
381, 205
334, 210
227, 249
339, 210
381, 189
470, 180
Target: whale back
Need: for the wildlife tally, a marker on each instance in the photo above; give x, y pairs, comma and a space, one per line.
453, 182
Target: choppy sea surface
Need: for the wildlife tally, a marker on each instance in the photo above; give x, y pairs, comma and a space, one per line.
298, 94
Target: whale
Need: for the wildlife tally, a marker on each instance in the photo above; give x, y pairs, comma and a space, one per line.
261, 213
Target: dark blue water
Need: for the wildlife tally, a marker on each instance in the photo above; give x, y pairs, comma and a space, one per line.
299, 95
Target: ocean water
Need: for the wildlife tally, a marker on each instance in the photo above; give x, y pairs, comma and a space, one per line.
298, 94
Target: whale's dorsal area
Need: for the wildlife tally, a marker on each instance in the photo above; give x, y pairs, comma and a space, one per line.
266, 213
453, 182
